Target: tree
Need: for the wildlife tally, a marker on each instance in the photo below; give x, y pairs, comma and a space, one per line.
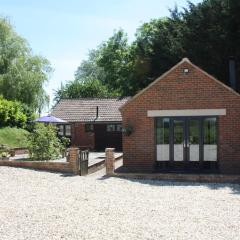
89, 69
22, 74
78, 89
111, 63
212, 35
157, 47
115, 60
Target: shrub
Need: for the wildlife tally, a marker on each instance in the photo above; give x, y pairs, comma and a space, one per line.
43, 143
65, 142
14, 114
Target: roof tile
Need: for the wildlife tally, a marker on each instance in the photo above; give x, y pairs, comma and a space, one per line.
84, 109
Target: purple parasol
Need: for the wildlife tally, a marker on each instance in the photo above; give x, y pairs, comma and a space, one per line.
50, 119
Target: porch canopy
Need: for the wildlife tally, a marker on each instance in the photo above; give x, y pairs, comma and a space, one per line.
50, 119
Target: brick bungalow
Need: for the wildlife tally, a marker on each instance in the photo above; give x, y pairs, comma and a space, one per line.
185, 120
93, 123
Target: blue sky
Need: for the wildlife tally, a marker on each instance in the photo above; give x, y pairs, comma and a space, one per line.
65, 30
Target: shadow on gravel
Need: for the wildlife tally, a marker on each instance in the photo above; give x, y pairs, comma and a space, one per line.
67, 175
104, 177
235, 187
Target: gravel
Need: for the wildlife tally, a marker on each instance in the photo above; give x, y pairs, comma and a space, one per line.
42, 205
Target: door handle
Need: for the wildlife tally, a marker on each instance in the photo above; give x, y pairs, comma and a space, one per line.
186, 145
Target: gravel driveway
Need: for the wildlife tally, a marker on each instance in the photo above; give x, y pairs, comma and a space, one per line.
42, 205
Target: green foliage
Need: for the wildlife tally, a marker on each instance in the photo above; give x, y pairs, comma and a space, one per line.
13, 137
116, 61
157, 47
87, 88
208, 33
22, 74
4, 155
212, 35
65, 141
105, 72
89, 69
14, 114
43, 143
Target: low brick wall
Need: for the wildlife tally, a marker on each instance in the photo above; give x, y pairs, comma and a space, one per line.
100, 165
19, 151
69, 167
50, 166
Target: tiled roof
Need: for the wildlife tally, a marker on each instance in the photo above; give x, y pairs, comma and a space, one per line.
85, 109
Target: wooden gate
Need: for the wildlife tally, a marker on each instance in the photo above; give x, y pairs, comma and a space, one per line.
83, 162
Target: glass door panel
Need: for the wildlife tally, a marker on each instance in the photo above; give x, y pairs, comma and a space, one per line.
193, 142
162, 135
186, 139
210, 139
178, 140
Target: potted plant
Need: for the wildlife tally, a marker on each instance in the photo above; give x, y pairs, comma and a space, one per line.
127, 130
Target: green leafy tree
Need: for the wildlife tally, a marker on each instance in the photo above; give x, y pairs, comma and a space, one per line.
43, 143
116, 61
89, 69
211, 34
157, 47
87, 88
22, 74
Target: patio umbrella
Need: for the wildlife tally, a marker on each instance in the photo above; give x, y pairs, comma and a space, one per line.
50, 119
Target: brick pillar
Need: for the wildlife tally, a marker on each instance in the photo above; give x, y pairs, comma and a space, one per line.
73, 160
110, 163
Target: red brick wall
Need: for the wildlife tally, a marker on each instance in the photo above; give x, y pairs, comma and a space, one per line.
80, 137
176, 90
71, 167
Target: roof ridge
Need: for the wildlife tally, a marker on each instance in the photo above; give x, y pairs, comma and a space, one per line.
95, 98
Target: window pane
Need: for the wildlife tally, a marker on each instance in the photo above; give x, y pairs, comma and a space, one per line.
110, 127
162, 132
210, 139
60, 130
68, 130
119, 127
194, 140
88, 127
178, 139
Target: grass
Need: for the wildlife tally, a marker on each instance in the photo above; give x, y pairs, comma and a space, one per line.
13, 137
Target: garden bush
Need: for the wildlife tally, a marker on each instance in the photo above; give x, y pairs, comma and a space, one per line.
14, 114
43, 143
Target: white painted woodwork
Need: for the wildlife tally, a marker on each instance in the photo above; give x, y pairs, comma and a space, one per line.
186, 112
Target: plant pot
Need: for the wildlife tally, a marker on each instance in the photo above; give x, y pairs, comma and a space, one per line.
12, 153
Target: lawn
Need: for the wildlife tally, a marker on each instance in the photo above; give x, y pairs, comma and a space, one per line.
13, 137
42, 205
